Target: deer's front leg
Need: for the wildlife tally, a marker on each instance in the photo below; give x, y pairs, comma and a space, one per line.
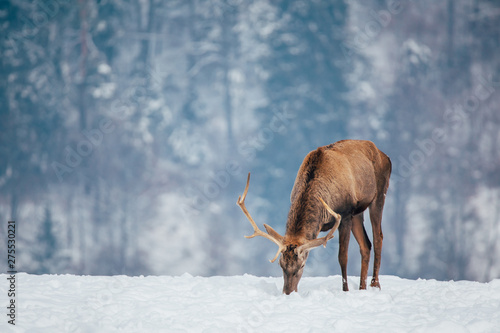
344, 235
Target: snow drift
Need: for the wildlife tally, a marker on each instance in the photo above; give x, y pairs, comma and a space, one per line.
67, 303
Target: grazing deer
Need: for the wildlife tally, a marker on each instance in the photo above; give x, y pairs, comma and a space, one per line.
334, 183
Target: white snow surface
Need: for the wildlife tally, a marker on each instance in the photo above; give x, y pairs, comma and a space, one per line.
68, 303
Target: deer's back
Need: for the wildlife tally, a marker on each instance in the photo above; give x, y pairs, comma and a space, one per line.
347, 171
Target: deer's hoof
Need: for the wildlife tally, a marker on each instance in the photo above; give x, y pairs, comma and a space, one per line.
375, 284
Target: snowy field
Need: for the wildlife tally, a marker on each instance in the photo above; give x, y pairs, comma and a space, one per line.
66, 303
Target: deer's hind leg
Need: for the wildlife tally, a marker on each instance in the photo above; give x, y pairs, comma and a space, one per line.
376, 209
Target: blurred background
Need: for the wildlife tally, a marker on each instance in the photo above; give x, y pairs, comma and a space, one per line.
127, 129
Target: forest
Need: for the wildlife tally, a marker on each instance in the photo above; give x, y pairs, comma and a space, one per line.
127, 129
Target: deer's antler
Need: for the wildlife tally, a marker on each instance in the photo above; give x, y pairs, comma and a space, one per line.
272, 235
322, 241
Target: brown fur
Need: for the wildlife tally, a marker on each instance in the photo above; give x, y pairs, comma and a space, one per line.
350, 176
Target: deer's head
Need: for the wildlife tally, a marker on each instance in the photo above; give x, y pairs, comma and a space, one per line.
294, 250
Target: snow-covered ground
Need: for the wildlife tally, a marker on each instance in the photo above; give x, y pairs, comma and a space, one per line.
67, 303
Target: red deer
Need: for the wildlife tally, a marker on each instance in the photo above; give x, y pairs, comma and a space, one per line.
334, 186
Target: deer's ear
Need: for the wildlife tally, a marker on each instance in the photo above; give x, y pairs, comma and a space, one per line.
299, 250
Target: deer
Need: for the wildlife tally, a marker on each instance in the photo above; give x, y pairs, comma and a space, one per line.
335, 184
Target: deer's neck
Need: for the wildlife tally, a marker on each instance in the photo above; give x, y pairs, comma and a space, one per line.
305, 218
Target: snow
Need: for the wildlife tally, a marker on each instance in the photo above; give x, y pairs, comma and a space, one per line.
68, 303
